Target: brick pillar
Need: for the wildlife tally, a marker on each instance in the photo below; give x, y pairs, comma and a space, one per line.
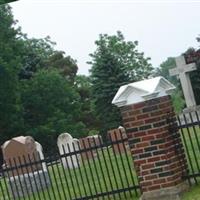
156, 147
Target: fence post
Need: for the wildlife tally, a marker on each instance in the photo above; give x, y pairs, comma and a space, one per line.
155, 145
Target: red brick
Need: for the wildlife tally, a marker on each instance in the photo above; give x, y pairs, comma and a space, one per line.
127, 125
155, 187
146, 183
148, 138
151, 177
139, 134
171, 178
156, 113
165, 105
154, 159
159, 181
144, 165
134, 112
144, 173
168, 110
137, 151
148, 166
167, 184
143, 116
130, 119
130, 135
161, 146
139, 162
165, 98
139, 105
170, 167
164, 157
153, 131
124, 114
142, 144
151, 120
160, 135
171, 154
137, 123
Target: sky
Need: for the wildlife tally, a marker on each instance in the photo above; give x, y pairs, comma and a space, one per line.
163, 28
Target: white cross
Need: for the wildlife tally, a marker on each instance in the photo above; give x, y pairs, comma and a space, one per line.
182, 70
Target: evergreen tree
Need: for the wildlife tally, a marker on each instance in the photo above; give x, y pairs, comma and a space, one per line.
114, 63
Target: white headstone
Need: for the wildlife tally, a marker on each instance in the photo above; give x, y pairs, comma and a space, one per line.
67, 144
39, 149
182, 70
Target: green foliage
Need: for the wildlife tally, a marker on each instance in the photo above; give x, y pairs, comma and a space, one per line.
178, 100
51, 106
34, 54
10, 109
114, 63
177, 96
194, 76
37, 92
65, 65
163, 70
87, 115
6, 1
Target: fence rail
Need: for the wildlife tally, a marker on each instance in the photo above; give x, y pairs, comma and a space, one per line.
189, 127
94, 171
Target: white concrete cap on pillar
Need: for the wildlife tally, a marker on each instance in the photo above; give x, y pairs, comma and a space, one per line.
142, 90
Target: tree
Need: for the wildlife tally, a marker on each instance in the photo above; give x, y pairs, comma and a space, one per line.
34, 54
65, 65
51, 106
87, 115
115, 62
177, 95
194, 75
163, 70
11, 122
37, 92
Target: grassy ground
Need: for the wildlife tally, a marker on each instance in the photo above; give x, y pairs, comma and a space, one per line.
91, 179
102, 174
192, 194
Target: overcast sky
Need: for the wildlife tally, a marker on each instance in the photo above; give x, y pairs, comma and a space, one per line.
163, 28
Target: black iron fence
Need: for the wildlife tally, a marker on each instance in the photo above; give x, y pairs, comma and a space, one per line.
189, 126
93, 170
90, 170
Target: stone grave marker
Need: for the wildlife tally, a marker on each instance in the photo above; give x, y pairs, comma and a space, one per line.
67, 144
116, 135
39, 150
87, 143
184, 65
19, 149
23, 180
182, 70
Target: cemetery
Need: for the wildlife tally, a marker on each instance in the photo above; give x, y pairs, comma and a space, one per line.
127, 130
161, 146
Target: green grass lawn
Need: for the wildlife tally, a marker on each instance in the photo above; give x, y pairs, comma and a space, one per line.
106, 173
192, 194
102, 174
191, 140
